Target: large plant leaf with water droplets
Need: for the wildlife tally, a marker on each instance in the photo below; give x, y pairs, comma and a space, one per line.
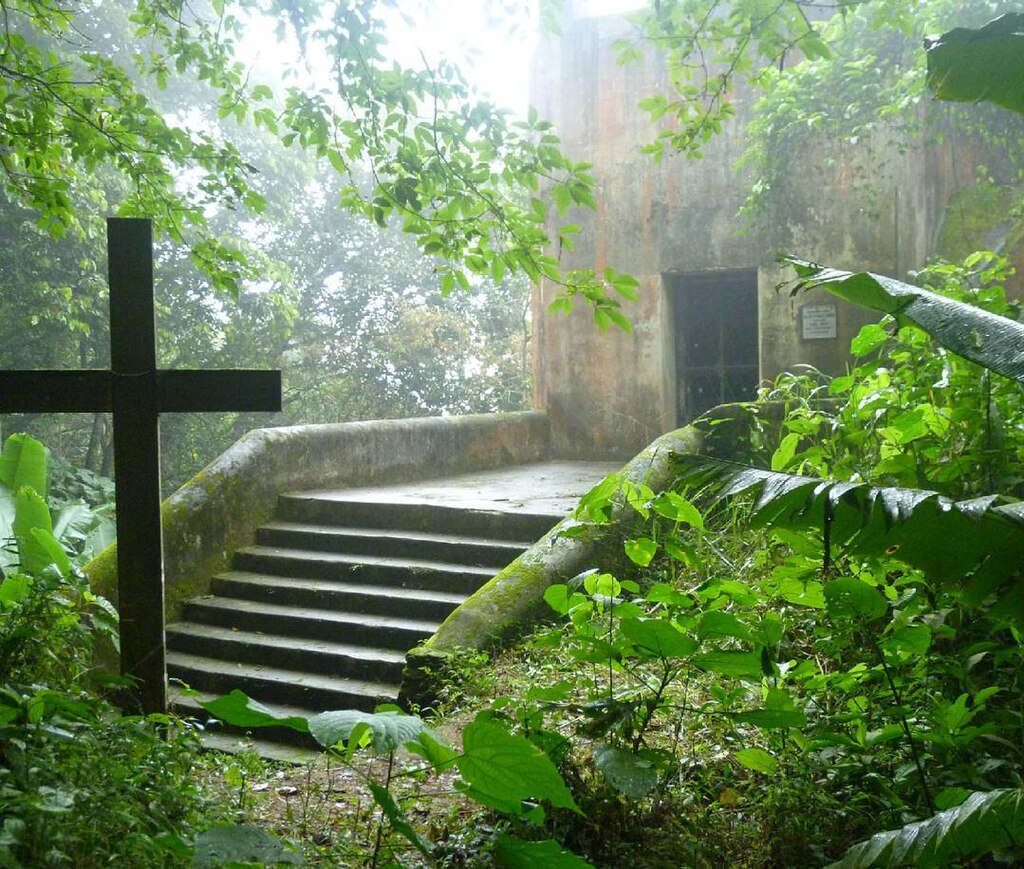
994, 342
969, 65
977, 544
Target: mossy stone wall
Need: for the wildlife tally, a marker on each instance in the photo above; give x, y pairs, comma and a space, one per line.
219, 510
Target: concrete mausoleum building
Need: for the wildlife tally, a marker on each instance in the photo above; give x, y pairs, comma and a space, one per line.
710, 324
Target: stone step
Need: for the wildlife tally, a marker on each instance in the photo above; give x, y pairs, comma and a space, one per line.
374, 631
332, 595
336, 509
278, 685
396, 544
292, 653
340, 596
368, 569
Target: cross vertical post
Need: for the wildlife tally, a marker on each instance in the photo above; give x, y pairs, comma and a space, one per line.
136, 392
140, 579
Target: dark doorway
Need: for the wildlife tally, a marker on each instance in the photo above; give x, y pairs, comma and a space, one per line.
716, 339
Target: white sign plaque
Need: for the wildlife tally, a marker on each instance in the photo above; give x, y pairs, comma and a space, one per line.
818, 322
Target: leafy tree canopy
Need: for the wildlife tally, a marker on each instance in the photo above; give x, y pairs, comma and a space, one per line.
83, 86
812, 69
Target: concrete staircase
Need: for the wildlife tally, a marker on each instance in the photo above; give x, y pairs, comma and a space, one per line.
320, 612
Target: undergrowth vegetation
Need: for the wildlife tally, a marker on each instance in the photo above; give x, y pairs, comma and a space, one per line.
812, 661
768, 668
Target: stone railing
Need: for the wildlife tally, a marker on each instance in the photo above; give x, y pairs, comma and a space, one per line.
219, 510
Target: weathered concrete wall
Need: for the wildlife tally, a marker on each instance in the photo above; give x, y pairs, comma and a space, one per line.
219, 509
874, 206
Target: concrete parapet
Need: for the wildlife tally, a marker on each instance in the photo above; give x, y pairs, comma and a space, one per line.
219, 509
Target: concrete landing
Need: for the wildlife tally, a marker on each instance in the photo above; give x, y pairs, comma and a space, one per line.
551, 488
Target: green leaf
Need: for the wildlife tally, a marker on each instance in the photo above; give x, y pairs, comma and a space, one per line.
390, 728
658, 637
977, 545
37, 547
785, 452
396, 817
641, 550
512, 853
627, 771
502, 770
849, 598
983, 823
910, 640
241, 843
771, 719
969, 66
758, 760
438, 754
716, 623
674, 506
869, 339
731, 662
23, 463
239, 710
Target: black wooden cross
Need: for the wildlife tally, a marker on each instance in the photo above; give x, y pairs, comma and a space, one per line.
136, 392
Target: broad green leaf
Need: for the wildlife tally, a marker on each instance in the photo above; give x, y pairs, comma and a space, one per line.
969, 66
39, 550
662, 592
785, 452
731, 662
23, 463
758, 760
37, 547
512, 853
674, 506
239, 710
390, 728
641, 550
985, 822
13, 590
658, 637
771, 719
241, 843
976, 545
716, 623
557, 597
437, 753
848, 598
602, 585
502, 770
628, 772
868, 340
910, 640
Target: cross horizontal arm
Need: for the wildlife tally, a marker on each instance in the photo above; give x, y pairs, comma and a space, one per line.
45, 391
192, 391
55, 391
